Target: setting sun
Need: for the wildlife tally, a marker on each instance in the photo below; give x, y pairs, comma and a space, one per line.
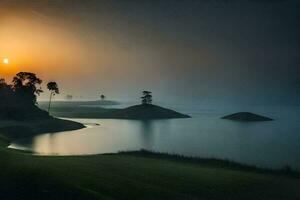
6, 61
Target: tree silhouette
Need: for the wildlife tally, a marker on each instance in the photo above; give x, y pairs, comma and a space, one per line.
69, 97
18, 100
27, 86
6, 94
146, 98
102, 97
53, 88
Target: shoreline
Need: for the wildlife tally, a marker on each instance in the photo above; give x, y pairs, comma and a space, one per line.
20, 129
213, 162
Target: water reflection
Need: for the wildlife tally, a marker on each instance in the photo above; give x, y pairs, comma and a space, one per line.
147, 133
269, 144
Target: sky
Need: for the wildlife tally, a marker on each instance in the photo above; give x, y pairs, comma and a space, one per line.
217, 51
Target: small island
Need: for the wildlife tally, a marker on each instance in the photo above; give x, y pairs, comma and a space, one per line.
144, 111
246, 116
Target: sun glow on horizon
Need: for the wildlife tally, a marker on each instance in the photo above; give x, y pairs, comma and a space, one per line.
5, 61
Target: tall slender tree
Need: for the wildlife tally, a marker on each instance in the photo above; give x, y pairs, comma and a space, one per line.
53, 88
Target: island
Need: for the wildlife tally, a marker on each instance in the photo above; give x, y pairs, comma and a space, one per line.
246, 116
143, 112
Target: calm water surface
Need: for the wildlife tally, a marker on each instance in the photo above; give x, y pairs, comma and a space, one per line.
269, 144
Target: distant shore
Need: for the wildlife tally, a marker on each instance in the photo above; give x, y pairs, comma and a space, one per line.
44, 104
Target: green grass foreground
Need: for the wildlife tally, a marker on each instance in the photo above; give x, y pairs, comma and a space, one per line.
136, 175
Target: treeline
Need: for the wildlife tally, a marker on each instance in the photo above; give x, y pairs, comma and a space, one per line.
18, 99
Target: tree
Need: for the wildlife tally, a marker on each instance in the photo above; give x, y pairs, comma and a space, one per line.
53, 88
18, 100
102, 97
69, 97
146, 98
3, 85
27, 86
6, 94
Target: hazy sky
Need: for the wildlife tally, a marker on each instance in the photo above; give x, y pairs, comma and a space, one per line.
195, 51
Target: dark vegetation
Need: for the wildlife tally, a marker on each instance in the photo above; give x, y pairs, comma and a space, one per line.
18, 100
19, 114
102, 97
146, 98
287, 170
69, 97
246, 116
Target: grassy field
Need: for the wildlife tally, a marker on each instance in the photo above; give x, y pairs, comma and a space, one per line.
135, 176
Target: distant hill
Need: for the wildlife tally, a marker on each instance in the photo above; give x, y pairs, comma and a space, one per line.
44, 104
246, 116
132, 112
106, 102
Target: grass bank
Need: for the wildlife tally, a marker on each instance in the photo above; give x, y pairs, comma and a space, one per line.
13, 129
19, 129
136, 175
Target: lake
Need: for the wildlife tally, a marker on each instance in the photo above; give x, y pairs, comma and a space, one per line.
271, 144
